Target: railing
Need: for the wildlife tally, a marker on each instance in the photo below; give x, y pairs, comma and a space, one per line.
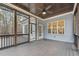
9, 40
21, 38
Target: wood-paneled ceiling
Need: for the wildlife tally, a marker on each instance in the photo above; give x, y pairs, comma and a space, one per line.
51, 9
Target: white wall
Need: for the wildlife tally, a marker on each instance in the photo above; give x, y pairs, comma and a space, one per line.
68, 34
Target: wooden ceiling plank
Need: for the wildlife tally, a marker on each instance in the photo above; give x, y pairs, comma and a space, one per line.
57, 8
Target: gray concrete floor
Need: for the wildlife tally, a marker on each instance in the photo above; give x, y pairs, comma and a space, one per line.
41, 48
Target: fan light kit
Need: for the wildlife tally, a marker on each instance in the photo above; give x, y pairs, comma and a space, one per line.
44, 12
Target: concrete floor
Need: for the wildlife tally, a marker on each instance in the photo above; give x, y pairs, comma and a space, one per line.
41, 48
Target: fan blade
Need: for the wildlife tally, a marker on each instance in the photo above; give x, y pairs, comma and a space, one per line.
50, 12
48, 7
39, 9
38, 13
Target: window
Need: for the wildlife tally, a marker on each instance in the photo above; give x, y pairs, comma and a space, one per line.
56, 27
49, 27
32, 20
61, 27
22, 24
6, 21
25, 29
40, 30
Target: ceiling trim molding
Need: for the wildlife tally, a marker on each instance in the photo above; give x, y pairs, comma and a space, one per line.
22, 10
74, 8
59, 15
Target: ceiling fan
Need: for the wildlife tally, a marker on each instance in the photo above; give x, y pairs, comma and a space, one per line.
45, 11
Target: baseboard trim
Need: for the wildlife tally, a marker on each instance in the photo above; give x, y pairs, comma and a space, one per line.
58, 40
